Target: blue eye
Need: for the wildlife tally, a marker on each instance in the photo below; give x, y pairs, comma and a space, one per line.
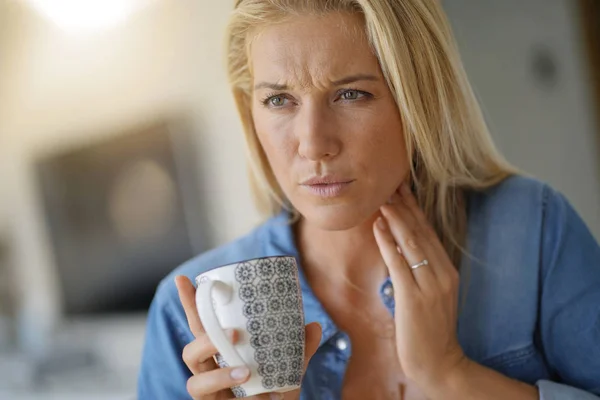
352, 94
275, 101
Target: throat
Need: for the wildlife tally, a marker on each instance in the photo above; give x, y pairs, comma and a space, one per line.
341, 259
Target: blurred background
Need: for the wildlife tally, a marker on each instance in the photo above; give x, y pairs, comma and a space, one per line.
121, 156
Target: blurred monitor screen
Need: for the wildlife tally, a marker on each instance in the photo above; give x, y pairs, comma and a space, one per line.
115, 218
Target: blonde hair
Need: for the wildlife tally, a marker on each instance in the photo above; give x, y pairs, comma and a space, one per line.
448, 144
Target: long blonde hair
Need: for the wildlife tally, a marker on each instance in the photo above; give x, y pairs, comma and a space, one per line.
448, 144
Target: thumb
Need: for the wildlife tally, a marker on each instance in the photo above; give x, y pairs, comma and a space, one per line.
313, 333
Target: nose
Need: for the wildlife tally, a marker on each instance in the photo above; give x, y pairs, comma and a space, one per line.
317, 133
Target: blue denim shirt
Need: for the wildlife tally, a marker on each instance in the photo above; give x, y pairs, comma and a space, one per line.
531, 311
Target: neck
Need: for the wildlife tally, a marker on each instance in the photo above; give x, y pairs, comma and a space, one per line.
341, 256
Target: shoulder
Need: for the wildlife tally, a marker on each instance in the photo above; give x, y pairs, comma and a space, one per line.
523, 214
498, 214
523, 201
506, 223
512, 194
517, 201
257, 243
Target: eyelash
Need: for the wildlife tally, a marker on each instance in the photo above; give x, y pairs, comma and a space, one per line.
267, 98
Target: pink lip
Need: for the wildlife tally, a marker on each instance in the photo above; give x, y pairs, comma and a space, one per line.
326, 186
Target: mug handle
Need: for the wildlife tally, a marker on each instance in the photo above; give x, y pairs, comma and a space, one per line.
208, 316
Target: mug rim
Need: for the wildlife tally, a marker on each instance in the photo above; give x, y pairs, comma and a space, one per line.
243, 261
249, 259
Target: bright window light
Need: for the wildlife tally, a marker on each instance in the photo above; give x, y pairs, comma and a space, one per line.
86, 15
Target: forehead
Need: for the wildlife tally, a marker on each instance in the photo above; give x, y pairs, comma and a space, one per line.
311, 50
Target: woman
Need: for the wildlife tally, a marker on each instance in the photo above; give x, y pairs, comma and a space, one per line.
433, 270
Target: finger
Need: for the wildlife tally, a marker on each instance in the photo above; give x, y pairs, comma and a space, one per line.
187, 296
313, 333
410, 202
406, 233
198, 354
444, 269
407, 197
217, 380
394, 261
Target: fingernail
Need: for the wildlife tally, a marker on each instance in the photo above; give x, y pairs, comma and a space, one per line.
276, 396
404, 189
229, 333
240, 373
381, 224
399, 249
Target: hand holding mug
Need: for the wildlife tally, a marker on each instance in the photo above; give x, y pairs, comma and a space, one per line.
251, 312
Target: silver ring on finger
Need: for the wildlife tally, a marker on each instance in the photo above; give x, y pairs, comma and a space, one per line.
422, 263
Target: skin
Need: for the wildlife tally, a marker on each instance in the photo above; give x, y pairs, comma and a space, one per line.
309, 125
316, 126
319, 125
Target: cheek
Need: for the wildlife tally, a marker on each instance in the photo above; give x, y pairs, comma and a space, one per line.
385, 157
391, 146
394, 136
276, 139
384, 144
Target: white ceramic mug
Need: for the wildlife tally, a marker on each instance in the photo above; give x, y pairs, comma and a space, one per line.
261, 299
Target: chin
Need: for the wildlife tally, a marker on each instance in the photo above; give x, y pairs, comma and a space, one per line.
335, 217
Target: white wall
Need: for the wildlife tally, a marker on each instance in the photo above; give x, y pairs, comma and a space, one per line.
59, 90
548, 132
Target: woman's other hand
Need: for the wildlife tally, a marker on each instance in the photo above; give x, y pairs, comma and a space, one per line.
426, 297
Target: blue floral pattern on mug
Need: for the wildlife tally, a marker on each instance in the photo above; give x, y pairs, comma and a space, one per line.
273, 307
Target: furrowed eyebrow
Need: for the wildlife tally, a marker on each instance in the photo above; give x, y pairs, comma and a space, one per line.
272, 86
355, 78
340, 82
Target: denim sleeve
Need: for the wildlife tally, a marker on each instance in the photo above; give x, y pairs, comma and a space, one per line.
163, 374
570, 303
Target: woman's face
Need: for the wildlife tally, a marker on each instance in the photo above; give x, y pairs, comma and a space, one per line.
326, 119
